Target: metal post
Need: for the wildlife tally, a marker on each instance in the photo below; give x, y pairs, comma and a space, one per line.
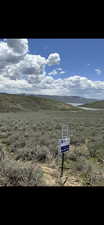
62, 164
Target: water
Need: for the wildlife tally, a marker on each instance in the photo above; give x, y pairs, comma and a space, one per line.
78, 104
75, 104
93, 109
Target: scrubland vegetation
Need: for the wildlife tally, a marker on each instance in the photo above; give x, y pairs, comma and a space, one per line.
28, 144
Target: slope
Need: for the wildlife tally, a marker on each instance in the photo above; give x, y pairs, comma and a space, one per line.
15, 103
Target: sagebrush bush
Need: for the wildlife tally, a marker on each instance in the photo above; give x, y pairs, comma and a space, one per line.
42, 153
72, 156
16, 175
38, 153
45, 140
94, 176
25, 154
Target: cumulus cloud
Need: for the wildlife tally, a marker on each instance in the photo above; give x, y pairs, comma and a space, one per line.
16, 62
98, 71
7, 56
19, 46
21, 71
19, 68
74, 85
33, 64
15, 86
53, 58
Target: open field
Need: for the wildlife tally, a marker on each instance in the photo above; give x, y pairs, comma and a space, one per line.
28, 148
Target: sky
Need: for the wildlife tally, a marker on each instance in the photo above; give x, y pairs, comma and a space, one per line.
71, 67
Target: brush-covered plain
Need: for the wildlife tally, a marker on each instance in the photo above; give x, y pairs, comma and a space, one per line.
28, 144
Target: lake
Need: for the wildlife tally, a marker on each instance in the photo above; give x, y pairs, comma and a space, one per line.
77, 104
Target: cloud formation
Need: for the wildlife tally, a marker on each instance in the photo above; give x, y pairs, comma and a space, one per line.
53, 58
56, 71
22, 72
8, 56
19, 46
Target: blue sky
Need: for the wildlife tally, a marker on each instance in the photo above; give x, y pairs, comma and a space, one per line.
71, 67
78, 56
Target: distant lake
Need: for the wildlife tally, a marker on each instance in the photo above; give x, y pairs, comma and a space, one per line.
75, 104
86, 108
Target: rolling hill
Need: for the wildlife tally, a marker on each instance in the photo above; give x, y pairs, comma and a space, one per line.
15, 103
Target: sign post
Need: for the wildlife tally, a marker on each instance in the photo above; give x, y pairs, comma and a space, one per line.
62, 164
64, 145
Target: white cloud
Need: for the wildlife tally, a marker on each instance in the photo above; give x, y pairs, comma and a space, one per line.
32, 64
53, 58
19, 46
62, 72
21, 71
7, 56
56, 71
15, 85
59, 69
53, 72
74, 85
98, 71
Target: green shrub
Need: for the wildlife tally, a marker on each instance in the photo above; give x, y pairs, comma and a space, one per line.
25, 154
93, 177
16, 175
42, 153
45, 140
96, 150
72, 156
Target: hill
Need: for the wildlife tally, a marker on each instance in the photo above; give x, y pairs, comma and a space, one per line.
95, 104
68, 99
15, 103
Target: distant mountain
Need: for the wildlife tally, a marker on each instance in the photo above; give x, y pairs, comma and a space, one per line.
68, 99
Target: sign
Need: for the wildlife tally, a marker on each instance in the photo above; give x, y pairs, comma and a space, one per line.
64, 144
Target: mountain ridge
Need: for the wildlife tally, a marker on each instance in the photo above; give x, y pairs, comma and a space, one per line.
69, 99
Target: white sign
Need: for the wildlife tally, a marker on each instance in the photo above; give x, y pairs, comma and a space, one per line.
64, 144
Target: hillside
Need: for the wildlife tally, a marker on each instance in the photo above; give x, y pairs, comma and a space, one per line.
96, 104
15, 103
68, 99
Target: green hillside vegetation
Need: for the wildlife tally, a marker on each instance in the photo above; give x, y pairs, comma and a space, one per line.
95, 104
15, 103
